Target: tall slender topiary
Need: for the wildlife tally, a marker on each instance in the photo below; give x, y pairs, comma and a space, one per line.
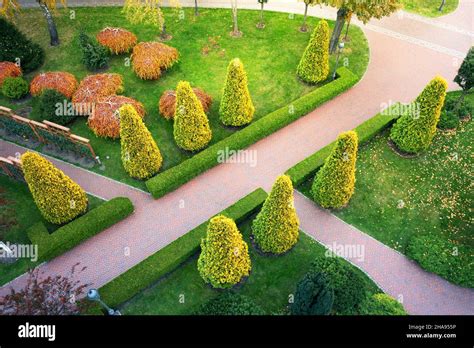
191, 127
313, 296
276, 227
141, 157
333, 185
236, 108
414, 131
314, 64
58, 198
224, 258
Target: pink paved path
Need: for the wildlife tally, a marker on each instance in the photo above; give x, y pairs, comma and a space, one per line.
406, 52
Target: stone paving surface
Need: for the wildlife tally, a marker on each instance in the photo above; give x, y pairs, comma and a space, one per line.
406, 51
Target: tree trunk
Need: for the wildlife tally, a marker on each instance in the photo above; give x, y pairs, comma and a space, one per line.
460, 100
261, 12
347, 28
196, 12
336, 34
53, 32
235, 31
303, 27
442, 5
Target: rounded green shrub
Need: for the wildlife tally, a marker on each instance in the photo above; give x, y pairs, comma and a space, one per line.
46, 107
381, 304
236, 108
141, 157
191, 128
414, 131
230, 303
94, 55
314, 64
276, 227
313, 296
15, 87
448, 120
224, 258
333, 185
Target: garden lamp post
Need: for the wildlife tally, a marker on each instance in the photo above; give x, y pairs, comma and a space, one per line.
341, 46
93, 295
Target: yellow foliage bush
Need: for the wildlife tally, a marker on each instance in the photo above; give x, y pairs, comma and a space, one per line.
167, 104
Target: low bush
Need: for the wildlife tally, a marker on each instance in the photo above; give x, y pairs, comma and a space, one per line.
63, 82
77, 231
150, 58
15, 46
448, 120
350, 289
117, 40
46, 107
94, 56
174, 254
14, 87
104, 119
167, 104
313, 296
8, 69
204, 160
452, 261
229, 303
381, 304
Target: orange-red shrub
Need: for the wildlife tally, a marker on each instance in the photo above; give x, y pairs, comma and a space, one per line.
117, 40
105, 121
167, 104
150, 58
63, 82
8, 69
94, 87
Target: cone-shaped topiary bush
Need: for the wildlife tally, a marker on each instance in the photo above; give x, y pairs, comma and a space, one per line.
59, 199
276, 227
415, 130
141, 157
191, 127
314, 64
224, 258
236, 108
314, 295
333, 185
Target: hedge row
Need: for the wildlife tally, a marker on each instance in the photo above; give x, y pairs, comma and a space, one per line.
365, 131
82, 228
199, 163
173, 255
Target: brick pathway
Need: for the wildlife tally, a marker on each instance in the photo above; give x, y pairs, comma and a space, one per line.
406, 52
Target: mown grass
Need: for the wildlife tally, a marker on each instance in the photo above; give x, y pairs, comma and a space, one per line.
270, 57
429, 8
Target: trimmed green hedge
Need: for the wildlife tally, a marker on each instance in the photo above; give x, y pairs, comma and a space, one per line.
173, 255
174, 177
82, 228
365, 131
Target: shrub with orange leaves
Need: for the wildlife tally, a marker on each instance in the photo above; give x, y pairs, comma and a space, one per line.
150, 58
8, 69
117, 40
94, 87
105, 121
63, 82
167, 104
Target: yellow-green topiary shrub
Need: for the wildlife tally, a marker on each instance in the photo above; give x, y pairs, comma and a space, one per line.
314, 64
276, 227
191, 127
236, 108
414, 131
224, 258
141, 157
333, 185
58, 198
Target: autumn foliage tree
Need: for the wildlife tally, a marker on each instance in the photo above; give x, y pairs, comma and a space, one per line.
314, 64
191, 128
141, 157
414, 131
276, 227
236, 108
58, 198
224, 258
333, 185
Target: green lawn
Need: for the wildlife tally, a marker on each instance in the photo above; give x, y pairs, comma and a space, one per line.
269, 285
396, 198
429, 8
270, 57
17, 213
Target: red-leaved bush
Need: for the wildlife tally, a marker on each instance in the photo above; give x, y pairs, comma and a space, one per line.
150, 58
117, 40
63, 82
8, 69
